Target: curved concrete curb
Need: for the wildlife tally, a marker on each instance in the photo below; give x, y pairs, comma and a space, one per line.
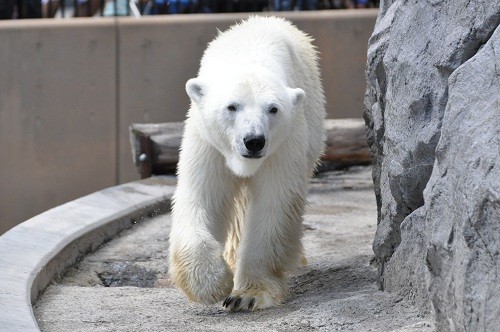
41, 248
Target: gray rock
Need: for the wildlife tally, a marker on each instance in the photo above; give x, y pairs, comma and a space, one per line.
433, 76
463, 198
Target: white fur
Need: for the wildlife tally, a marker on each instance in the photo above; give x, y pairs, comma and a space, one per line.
237, 221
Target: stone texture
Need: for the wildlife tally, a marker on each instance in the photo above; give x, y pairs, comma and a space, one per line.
432, 107
463, 198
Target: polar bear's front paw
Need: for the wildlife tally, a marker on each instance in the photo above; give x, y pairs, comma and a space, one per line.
205, 281
255, 298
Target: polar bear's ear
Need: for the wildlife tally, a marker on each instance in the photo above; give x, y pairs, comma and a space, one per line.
194, 89
296, 95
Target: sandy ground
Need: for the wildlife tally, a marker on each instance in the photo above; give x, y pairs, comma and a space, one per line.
124, 285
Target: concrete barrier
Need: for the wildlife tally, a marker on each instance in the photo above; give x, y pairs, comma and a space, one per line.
43, 247
69, 89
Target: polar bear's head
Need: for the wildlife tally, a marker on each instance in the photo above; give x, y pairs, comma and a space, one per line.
246, 117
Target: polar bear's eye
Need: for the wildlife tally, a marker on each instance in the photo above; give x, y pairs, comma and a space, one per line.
232, 107
273, 109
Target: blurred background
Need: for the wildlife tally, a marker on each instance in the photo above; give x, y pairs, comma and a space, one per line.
11, 9
70, 86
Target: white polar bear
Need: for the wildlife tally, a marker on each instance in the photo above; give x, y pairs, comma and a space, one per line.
251, 142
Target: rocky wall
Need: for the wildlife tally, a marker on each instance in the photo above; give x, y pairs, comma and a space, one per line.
433, 118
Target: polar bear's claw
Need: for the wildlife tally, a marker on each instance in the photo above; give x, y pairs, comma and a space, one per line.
251, 304
227, 302
238, 303
252, 300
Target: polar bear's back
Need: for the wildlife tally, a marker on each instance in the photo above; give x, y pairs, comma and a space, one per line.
268, 42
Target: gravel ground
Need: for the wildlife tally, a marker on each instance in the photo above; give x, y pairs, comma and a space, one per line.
124, 285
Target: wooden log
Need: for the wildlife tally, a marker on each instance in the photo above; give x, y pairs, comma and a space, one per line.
346, 142
155, 147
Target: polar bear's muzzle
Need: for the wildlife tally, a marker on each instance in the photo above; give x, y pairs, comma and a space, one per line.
254, 145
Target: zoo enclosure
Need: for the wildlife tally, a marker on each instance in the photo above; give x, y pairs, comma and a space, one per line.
69, 89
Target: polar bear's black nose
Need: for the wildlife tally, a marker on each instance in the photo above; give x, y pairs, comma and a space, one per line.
254, 143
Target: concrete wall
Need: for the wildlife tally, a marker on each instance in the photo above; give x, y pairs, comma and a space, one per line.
57, 114
69, 89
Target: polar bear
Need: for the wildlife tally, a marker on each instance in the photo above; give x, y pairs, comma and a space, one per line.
252, 139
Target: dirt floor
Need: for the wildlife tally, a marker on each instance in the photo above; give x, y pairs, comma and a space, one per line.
124, 285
